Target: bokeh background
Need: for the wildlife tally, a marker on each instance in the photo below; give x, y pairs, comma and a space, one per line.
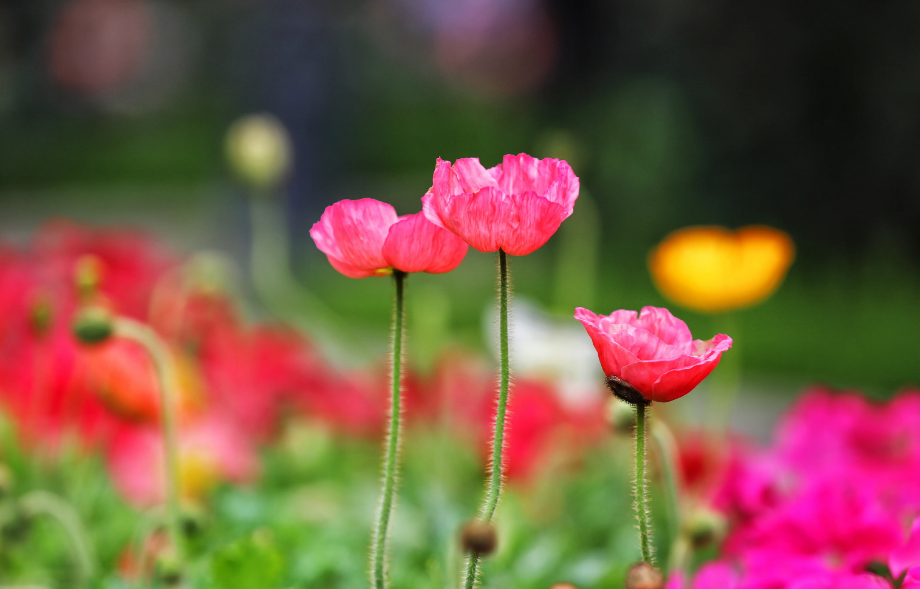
800, 115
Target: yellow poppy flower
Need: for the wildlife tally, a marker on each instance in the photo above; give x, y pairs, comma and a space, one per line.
713, 269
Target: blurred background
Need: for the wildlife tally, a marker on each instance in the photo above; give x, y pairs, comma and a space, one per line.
802, 116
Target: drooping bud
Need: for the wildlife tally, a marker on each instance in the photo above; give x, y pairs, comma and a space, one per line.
704, 527
87, 276
259, 151
621, 416
93, 325
478, 537
642, 575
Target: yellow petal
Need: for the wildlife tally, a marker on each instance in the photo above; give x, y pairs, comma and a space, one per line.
713, 269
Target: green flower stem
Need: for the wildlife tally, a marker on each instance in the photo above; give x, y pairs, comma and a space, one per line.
495, 481
390, 467
162, 361
667, 452
43, 502
642, 510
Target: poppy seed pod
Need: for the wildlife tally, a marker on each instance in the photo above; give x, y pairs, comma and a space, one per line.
93, 325
478, 537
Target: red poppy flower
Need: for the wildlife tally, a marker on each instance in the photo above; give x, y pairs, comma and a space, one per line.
650, 356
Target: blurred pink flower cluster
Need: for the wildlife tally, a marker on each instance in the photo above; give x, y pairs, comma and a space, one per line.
237, 381
835, 503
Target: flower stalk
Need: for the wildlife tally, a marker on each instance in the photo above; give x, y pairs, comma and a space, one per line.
43, 502
641, 487
162, 361
495, 480
390, 466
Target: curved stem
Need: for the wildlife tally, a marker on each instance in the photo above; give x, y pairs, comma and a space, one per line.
162, 361
390, 467
667, 451
495, 480
38, 502
641, 490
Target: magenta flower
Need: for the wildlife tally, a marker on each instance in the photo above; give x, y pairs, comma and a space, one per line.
366, 238
650, 356
912, 580
907, 556
515, 206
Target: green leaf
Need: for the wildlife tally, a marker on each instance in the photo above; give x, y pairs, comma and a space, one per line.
251, 562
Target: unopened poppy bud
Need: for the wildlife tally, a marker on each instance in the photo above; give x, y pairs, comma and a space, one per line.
259, 151
620, 416
704, 527
642, 575
478, 537
93, 325
87, 275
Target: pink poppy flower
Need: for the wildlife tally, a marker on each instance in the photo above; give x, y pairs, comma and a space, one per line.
907, 556
912, 580
650, 356
515, 206
365, 238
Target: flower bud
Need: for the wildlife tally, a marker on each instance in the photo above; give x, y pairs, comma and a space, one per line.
563, 586
478, 537
93, 325
620, 416
704, 527
259, 151
642, 575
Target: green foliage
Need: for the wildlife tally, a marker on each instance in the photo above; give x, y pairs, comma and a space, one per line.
251, 562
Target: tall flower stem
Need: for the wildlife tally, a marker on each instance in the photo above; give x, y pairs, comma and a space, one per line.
162, 362
641, 488
43, 502
390, 466
495, 480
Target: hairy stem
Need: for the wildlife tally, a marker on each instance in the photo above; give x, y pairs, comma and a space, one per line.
495, 480
162, 361
43, 502
641, 490
390, 467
